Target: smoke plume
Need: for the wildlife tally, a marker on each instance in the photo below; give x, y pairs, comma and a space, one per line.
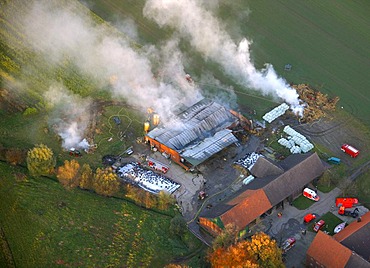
65, 32
70, 116
208, 36
60, 33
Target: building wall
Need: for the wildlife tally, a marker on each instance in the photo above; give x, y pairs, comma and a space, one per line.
209, 226
175, 156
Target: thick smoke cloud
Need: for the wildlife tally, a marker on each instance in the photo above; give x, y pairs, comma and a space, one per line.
71, 116
60, 33
208, 36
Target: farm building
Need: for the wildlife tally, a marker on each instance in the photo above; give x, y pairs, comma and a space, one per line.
199, 132
273, 185
348, 248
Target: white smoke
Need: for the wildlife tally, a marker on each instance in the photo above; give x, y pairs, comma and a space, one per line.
71, 115
208, 36
62, 33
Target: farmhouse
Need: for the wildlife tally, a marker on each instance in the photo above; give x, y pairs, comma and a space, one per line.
274, 185
199, 132
348, 248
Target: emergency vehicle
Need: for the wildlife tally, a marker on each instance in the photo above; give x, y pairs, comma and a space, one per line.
310, 194
348, 149
155, 164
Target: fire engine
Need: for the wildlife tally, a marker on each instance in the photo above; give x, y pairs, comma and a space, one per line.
345, 202
155, 164
348, 149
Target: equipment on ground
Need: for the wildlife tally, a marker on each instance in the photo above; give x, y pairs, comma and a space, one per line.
74, 152
202, 195
345, 212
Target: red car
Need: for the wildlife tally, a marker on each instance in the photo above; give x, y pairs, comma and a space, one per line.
309, 217
288, 244
318, 225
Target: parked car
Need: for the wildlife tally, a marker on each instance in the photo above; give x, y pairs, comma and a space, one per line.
309, 217
288, 244
318, 225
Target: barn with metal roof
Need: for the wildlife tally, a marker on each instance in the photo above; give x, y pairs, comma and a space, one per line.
196, 134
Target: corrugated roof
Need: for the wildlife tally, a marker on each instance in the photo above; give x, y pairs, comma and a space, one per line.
200, 121
208, 147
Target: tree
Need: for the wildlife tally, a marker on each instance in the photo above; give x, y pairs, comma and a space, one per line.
40, 160
260, 251
105, 182
86, 177
265, 250
235, 255
14, 156
68, 174
178, 225
165, 200
226, 238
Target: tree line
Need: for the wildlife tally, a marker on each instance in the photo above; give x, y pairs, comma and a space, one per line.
40, 161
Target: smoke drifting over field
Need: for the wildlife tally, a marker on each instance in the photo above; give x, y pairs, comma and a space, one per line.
71, 116
208, 36
66, 33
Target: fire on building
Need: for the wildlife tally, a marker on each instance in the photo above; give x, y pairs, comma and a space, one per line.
199, 132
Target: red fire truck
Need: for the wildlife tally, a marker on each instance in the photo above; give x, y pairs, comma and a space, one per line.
348, 149
346, 202
155, 164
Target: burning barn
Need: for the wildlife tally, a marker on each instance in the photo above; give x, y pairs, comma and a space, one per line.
199, 132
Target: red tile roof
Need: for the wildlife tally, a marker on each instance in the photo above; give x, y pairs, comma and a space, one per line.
352, 228
328, 252
247, 207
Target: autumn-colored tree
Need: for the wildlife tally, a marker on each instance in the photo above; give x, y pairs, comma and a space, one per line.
14, 156
40, 160
105, 182
226, 238
260, 251
86, 177
68, 174
235, 255
265, 250
172, 265
165, 200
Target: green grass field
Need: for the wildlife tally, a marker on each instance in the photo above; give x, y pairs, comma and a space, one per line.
326, 43
46, 225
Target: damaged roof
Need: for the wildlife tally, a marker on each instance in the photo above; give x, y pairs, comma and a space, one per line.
198, 132
208, 147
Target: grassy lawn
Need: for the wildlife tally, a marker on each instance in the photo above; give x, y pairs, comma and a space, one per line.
45, 224
331, 221
302, 202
